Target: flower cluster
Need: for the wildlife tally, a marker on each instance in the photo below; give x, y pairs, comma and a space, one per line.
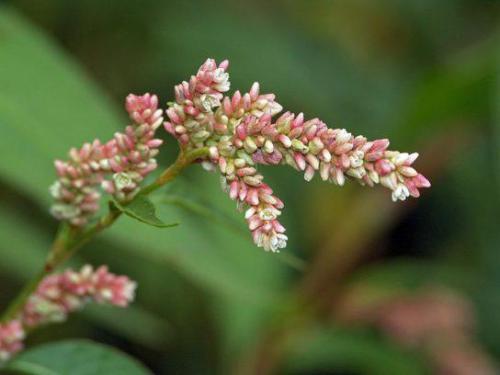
75, 192
118, 165
240, 133
435, 320
440, 322
412, 320
60, 294
134, 151
11, 339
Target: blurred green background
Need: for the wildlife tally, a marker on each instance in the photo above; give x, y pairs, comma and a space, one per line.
425, 74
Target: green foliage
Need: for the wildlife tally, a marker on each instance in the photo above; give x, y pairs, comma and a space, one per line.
143, 210
37, 84
411, 274
322, 349
78, 357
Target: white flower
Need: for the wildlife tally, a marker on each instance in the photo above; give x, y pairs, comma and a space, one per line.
389, 181
55, 190
63, 211
401, 158
338, 177
129, 290
268, 146
274, 108
356, 159
275, 242
356, 172
221, 77
400, 193
208, 166
269, 213
343, 136
207, 102
123, 181
309, 173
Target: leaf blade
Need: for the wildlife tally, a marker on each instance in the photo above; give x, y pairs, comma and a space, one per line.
143, 210
78, 357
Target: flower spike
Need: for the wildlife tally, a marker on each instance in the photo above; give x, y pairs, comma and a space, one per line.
118, 166
57, 295
60, 294
240, 133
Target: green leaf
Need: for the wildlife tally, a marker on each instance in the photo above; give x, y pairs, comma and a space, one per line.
76, 357
143, 210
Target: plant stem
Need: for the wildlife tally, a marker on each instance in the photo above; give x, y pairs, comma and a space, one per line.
57, 247
183, 160
17, 304
69, 239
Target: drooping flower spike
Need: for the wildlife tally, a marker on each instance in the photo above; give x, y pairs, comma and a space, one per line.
118, 166
241, 134
60, 294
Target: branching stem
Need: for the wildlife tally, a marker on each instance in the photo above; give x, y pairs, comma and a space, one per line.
70, 239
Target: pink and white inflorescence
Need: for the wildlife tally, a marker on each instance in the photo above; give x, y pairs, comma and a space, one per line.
240, 133
60, 294
118, 165
135, 150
